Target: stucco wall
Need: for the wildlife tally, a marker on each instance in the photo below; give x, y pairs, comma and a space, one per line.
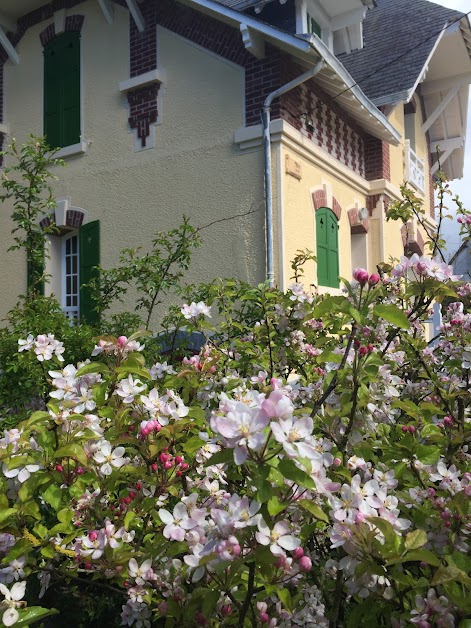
194, 168
299, 223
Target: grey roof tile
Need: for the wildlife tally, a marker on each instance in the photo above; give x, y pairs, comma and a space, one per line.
391, 29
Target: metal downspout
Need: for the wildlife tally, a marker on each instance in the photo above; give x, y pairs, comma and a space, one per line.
267, 158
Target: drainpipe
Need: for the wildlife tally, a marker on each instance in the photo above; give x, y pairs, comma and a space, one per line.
267, 158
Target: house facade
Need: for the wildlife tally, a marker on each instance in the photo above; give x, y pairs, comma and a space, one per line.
155, 107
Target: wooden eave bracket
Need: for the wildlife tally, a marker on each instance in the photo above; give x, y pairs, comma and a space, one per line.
136, 15
252, 42
8, 47
107, 9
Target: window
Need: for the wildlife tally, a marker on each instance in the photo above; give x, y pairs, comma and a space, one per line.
70, 266
327, 248
70, 277
313, 27
62, 90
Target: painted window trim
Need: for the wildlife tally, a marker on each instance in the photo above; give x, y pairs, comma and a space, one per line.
149, 78
71, 151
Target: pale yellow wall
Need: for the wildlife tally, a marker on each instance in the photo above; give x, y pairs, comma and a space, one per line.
194, 169
299, 223
421, 148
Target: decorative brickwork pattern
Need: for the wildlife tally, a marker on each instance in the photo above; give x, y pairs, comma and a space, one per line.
74, 218
319, 199
143, 58
310, 110
413, 243
357, 226
377, 159
72, 23
143, 110
372, 201
336, 208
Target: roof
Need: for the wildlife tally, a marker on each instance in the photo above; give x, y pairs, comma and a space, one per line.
387, 34
309, 49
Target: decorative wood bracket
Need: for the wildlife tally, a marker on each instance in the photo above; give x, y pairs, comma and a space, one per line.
252, 42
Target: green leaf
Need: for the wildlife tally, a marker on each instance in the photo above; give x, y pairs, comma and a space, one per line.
6, 514
193, 444
33, 614
129, 518
450, 574
291, 472
285, 598
195, 412
93, 367
210, 600
53, 496
415, 539
428, 454
313, 509
74, 450
220, 457
386, 528
275, 506
393, 315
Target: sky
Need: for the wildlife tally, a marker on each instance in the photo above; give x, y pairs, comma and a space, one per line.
461, 187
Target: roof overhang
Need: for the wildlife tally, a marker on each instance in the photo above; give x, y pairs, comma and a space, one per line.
445, 92
444, 86
308, 50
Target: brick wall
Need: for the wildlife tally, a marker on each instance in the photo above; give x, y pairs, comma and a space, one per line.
377, 159
312, 112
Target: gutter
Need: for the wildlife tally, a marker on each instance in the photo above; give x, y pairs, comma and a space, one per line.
266, 110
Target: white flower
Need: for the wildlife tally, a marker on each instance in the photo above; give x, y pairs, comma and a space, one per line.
142, 573
12, 600
279, 538
108, 458
195, 309
129, 388
25, 345
21, 473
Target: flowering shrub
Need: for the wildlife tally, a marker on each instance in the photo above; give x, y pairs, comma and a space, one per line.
309, 467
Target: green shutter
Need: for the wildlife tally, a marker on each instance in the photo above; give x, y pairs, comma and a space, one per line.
52, 94
327, 248
313, 26
71, 90
35, 268
62, 90
89, 247
333, 254
322, 235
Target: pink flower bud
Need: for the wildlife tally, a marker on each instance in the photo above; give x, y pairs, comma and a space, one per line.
164, 457
305, 564
122, 341
448, 420
236, 550
201, 619
264, 618
360, 275
362, 351
93, 535
337, 462
374, 279
298, 553
79, 470
59, 468
168, 465
178, 459
360, 517
226, 610
163, 608
431, 492
184, 466
412, 429
404, 428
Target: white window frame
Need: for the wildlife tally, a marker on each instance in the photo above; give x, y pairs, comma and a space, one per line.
71, 311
